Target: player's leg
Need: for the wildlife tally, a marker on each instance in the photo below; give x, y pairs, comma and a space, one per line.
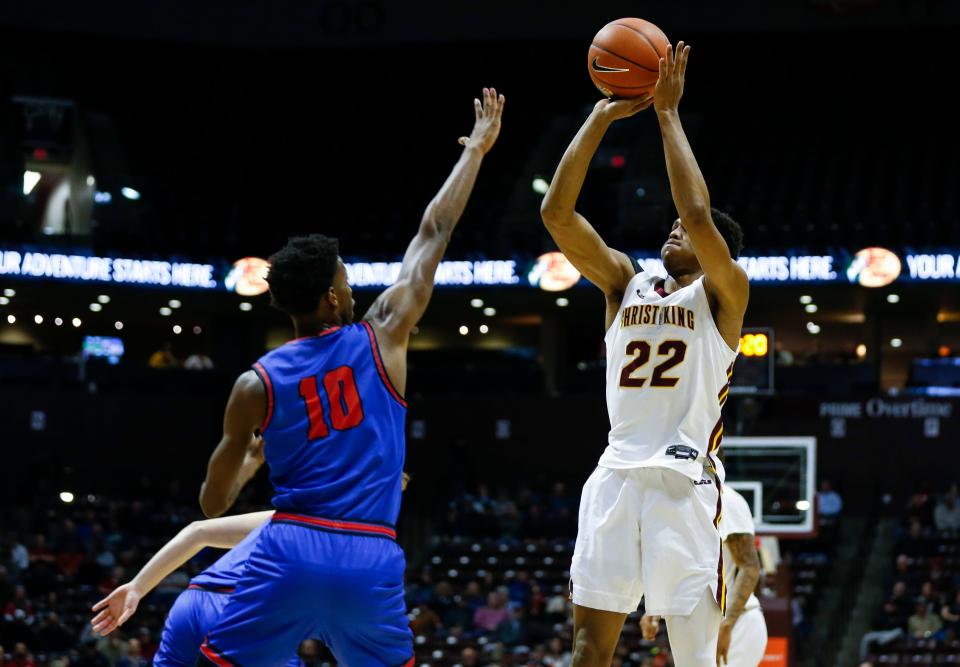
374, 629
682, 573
595, 636
604, 577
693, 638
192, 615
748, 641
300, 579
275, 604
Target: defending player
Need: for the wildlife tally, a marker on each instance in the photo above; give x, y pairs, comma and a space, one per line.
331, 409
649, 512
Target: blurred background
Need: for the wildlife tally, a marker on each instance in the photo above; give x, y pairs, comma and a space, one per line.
151, 156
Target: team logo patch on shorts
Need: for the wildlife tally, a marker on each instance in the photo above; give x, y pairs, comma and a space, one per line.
682, 452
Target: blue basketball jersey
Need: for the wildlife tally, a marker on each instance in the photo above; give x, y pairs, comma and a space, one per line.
225, 572
334, 429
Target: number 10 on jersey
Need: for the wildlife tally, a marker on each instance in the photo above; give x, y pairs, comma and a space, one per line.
346, 409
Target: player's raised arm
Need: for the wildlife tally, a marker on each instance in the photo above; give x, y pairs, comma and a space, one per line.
608, 269
239, 454
725, 279
225, 533
399, 308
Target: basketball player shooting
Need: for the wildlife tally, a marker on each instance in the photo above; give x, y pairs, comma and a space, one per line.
330, 408
649, 513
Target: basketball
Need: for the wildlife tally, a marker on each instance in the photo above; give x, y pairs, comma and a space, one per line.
624, 57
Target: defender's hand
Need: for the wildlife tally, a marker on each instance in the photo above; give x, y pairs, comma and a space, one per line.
673, 71
486, 128
649, 627
611, 110
115, 609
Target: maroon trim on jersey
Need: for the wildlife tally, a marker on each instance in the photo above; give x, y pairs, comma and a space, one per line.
716, 437
721, 583
658, 288
375, 348
213, 656
211, 589
268, 386
335, 525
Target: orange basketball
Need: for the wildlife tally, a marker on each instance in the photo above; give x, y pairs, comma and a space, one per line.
624, 58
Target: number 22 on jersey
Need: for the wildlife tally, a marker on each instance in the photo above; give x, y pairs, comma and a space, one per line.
346, 409
674, 352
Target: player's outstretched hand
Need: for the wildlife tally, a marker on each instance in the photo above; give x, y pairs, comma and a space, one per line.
613, 110
486, 129
649, 627
115, 609
673, 71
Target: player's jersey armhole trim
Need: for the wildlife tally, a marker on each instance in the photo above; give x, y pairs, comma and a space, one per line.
636, 265
268, 387
713, 321
381, 369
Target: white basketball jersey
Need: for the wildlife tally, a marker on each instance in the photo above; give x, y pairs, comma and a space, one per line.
736, 518
668, 375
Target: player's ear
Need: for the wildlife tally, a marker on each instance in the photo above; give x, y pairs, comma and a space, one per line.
332, 297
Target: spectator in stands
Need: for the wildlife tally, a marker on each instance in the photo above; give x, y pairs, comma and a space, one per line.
443, 598
492, 614
469, 657
473, 596
164, 357
946, 516
915, 542
896, 610
519, 588
19, 556
923, 624
460, 615
133, 657
53, 636
425, 621
198, 361
950, 614
920, 506
21, 656
90, 657
556, 656
829, 502
512, 631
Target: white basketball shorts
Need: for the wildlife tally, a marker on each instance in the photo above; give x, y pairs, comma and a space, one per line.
748, 641
647, 531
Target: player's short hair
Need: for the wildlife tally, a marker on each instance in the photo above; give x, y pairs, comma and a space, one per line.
301, 272
731, 232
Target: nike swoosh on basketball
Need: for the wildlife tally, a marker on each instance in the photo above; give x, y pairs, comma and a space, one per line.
597, 67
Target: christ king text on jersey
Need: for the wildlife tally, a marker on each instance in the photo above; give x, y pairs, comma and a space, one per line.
652, 315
